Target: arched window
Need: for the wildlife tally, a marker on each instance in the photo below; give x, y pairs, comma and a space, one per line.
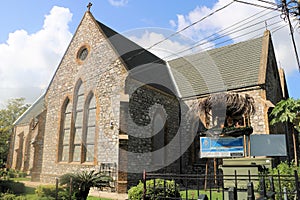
65, 131
89, 136
78, 121
159, 137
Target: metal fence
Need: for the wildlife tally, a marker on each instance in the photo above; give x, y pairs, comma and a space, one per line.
227, 187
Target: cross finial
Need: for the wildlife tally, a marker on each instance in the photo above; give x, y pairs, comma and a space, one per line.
89, 6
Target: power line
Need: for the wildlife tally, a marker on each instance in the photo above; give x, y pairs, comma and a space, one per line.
204, 41
257, 5
193, 24
177, 32
286, 12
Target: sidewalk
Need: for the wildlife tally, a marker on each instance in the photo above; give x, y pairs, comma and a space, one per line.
109, 195
93, 192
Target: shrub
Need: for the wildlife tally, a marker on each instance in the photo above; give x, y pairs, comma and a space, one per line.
8, 196
12, 187
11, 174
152, 193
22, 174
289, 182
84, 180
47, 191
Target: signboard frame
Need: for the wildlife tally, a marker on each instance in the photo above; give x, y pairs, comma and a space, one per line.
222, 147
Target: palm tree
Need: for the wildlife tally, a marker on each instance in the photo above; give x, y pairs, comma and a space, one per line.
288, 111
81, 182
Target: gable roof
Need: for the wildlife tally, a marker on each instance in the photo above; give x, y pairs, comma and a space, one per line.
33, 111
226, 68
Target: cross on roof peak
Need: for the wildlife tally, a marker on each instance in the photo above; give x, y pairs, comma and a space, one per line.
89, 6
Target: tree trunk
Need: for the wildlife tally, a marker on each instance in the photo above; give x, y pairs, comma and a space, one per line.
295, 147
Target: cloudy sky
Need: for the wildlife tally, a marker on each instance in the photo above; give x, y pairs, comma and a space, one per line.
35, 34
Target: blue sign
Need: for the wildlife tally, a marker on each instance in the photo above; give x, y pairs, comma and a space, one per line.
221, 147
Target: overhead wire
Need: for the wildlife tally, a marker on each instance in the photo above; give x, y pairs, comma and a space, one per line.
204, 41
224, 34
183, 29
257, 5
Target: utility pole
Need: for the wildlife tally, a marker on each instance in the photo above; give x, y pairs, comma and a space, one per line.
289, 9
292, 8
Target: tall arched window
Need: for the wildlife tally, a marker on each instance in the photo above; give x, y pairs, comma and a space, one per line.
64, 148
159, 137
78, 119
89, 136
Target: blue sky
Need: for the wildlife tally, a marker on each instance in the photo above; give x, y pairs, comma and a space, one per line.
34, 34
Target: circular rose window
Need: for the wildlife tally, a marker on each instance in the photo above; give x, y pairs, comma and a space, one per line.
82, 53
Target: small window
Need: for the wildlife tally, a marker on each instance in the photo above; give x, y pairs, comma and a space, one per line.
83, 53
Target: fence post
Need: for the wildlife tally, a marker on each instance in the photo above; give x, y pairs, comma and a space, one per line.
272, 193
232, 193
71, 188
279, 185
145, 188
263, 187
285, 195
56, 188
235, 179
297, 184
186, 190
165, 188
250, 191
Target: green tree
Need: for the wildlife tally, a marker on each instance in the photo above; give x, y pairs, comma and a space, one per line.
14, 109
83, 181
288, 110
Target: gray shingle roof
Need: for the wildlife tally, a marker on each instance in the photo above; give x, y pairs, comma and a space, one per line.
226, 68
33, 111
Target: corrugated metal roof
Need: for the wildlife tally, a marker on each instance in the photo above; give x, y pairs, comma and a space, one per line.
33, 111
226, 68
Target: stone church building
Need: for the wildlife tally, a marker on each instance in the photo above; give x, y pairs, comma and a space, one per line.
114, 106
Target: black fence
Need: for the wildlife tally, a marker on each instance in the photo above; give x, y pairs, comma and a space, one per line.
217, 187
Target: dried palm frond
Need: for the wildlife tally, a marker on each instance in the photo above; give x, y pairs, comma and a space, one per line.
234, 104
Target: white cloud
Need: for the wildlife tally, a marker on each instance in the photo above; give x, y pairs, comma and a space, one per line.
118, 3
28, 61
168, 49
234, 14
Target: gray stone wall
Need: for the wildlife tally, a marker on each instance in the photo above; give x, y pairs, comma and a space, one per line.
145, 102
38, 148
103, 74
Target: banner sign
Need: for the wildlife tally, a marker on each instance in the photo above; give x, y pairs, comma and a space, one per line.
268, 145
221, 147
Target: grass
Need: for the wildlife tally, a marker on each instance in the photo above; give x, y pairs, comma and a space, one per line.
30, 195
20, 179
193, 194
96, 198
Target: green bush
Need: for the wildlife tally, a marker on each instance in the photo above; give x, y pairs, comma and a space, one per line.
8, 196
83, 181
22, 174
11, 174
47, 190
12, 187
136, 192
289, 182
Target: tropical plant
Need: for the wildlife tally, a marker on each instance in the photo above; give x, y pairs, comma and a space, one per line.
288, 110
81, 182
